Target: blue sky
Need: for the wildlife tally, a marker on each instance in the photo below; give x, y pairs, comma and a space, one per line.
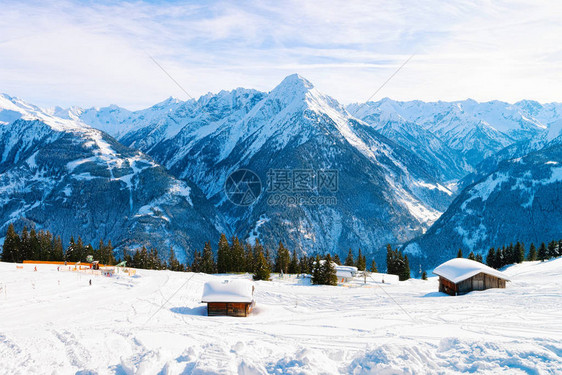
97, 53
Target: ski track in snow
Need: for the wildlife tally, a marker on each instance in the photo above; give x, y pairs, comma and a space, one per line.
54, 322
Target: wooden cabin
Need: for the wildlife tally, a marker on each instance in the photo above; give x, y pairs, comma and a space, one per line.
229, 297
459, 276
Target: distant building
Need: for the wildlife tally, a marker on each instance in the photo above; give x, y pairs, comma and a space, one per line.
229, 297
344, 274
351, 269
460, 276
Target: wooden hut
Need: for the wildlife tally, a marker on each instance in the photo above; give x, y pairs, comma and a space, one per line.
460, 276
229, 297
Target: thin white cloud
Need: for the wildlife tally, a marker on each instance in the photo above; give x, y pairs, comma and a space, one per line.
92, 53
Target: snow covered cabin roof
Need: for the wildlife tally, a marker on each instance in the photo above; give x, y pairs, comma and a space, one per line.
351, 269
459, 269
228, 291
344, 273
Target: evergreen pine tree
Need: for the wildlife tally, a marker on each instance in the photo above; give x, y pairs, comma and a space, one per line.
373, 267
459, 254
69, 253
126, 256
34, 245
424, 275
109, 253
328, 272
557, 250
268, 259
142, 260
337, 260
208, 262
153, 260
405, 274
390, 260
99, 253
471, 256
90, 250
310, 263
104, 254
283, 259
261, 271
197, 260
304, 265
80, 250
173, 263
294, 264
542, 254
505, 255
250, 266
316, 272
237, 255
500, 257
479, 258
519, 252
135, 259
25, 245
552, 249
349, 260
532, 252
45, 244
223, 252
491, 258
10, 252
258, 247
361, 261
58, 250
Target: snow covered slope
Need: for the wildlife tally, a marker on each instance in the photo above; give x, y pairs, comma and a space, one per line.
386, 193
54, 322
71, 179
519, 201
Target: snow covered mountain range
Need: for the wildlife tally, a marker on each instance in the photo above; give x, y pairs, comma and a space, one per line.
458, 136
520, 200
398, 164
71, 179
293, 127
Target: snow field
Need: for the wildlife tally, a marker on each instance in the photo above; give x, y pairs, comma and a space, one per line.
54, 322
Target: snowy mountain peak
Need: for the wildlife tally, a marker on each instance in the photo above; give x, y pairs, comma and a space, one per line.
292, 86
12, 109
13, 103
296, 80
170, 101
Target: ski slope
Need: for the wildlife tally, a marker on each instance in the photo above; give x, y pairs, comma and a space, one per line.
56, 323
